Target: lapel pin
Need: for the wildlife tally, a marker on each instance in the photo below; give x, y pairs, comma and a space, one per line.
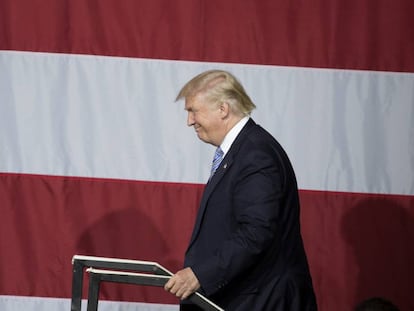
225, 165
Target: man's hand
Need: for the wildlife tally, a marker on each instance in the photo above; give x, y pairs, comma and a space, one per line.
183, 283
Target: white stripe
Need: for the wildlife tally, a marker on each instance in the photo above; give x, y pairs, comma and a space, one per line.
115, 117
19, 303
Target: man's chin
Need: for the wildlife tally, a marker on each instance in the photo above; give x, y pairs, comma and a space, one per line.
202, 138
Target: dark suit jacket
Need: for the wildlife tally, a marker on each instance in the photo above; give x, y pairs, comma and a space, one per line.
246, 248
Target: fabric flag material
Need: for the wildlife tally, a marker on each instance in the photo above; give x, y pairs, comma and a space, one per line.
96, 158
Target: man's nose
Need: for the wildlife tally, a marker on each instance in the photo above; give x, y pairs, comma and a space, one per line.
190, 119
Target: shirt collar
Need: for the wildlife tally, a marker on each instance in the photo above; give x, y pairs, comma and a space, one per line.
232, 134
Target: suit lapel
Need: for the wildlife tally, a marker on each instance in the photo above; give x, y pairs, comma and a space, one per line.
218, 175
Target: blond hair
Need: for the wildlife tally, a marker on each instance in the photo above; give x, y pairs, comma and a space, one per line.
218, 86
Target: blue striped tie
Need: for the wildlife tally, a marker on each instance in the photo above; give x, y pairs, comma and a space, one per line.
218, 156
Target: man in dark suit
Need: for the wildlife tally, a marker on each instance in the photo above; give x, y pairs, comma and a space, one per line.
246, 251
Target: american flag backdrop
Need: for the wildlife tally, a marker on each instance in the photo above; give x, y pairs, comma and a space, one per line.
96, 158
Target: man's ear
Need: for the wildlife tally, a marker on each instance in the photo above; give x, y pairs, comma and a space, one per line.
224, 109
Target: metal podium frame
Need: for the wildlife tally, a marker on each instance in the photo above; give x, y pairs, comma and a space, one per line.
121, 271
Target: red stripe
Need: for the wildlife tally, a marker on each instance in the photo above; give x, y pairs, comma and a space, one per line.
46, 220
358, 244
354, 34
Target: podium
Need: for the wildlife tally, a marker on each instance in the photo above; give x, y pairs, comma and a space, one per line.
103, 269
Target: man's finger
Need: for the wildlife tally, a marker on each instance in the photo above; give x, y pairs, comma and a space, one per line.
169, 285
